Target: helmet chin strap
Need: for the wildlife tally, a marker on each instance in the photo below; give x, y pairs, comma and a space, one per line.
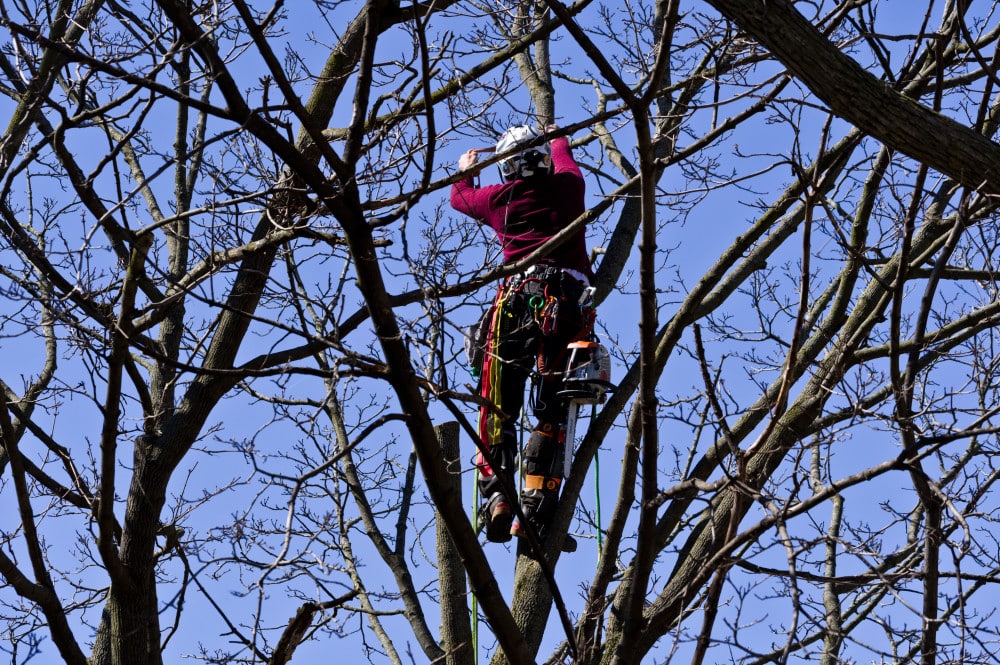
525, 165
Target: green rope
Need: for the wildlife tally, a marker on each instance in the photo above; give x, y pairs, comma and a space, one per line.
597, 491
475, 608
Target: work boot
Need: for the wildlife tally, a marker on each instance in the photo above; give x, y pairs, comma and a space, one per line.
569, 543
496, 517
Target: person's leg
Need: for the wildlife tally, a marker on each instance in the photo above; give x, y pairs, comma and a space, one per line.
500, 438
544, 454
543, 461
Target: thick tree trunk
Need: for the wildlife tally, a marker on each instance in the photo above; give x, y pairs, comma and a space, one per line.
129, 631
456, 631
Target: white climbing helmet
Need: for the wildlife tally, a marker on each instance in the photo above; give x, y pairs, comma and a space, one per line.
535, 160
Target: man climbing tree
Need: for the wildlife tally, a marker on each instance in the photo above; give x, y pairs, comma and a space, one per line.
536, 314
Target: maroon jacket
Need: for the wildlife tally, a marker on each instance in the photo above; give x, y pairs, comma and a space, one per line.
527, 212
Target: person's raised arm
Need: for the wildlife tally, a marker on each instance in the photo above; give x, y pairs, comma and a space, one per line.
562, 155
463, 193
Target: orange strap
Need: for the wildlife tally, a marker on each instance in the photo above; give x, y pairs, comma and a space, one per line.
541, 483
